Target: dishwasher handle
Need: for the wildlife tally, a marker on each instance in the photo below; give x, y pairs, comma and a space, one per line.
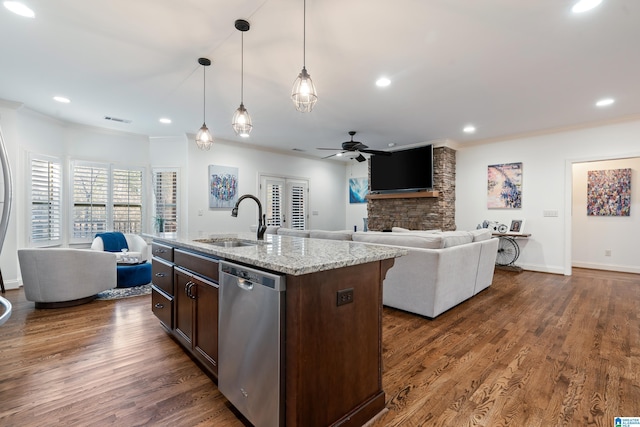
245, 284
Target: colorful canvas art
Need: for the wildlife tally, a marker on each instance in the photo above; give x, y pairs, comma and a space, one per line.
609, 192
504, 186
358, 190
223, 186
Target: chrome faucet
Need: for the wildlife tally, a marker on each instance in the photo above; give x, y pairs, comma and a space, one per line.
262, 219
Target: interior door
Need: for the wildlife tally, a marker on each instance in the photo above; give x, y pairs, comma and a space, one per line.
285, 201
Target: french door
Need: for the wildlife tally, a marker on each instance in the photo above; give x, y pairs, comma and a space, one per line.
285, 201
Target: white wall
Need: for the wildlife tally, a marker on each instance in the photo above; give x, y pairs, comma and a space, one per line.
547, 161
327, 190
355, 211
593, 235
26, 131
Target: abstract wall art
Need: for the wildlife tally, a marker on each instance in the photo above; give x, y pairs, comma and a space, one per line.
504, 186
358, 190
609, 192
223, 186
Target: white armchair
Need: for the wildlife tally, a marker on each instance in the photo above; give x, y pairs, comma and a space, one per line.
138, 248
57, 277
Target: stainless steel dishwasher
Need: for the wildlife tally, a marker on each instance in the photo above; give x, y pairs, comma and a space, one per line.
251, 343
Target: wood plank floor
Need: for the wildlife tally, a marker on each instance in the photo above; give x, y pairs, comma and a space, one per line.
532, 350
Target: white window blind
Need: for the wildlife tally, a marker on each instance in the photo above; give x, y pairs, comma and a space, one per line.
46, 199
274, 195
165, 189
127, 200
105, 198
90, 200
298, 197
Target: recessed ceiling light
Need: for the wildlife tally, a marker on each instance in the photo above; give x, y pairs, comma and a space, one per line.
585, 5
605, 102
165, 120
391, 144
19, 9
339, 155
383, 82
469, 129
62, 99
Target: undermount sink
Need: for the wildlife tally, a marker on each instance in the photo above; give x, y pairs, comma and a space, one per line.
229, 242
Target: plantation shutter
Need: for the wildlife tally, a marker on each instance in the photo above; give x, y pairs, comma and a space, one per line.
274, 201
297, 192
46, 199
165, 189
127, 200
284, 201
90, 198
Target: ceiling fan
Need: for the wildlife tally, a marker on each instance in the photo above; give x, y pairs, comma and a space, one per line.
355, 147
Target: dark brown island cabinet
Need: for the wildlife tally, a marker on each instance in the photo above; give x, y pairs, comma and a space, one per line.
333, 339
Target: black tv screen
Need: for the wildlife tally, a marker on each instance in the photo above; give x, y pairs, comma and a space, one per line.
404, 170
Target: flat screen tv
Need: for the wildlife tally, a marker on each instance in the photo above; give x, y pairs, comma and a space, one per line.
404, 170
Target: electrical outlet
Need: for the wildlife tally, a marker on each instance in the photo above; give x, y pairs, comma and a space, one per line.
607, 252
345, 296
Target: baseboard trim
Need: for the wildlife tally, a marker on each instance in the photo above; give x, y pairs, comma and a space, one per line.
607, 267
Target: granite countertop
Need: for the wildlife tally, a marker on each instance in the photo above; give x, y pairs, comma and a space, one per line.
284, 254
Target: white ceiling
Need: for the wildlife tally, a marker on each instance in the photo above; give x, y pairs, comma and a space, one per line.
506, 66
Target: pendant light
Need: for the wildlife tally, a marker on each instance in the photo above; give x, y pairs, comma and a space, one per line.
304, 94
204, 139
241, 122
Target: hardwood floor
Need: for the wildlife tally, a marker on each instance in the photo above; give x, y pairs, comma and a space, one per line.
532, 350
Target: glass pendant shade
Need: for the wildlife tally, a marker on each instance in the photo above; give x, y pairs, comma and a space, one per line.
304, 94
242, 122
204, 139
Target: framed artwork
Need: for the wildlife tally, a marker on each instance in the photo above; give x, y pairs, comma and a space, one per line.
504, 186
358, 190
517, 226
609, 192
223, 187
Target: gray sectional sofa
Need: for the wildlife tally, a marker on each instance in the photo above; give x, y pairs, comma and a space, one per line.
441, 270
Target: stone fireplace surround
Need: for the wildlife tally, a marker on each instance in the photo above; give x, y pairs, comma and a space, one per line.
420, 213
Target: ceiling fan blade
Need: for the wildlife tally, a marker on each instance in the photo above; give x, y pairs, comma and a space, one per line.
378, 152
334, 149
332, 155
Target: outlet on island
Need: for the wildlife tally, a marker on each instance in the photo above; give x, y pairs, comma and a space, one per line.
345, 296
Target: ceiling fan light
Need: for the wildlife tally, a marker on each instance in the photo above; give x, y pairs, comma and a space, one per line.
241, 122
204, 139
303, 94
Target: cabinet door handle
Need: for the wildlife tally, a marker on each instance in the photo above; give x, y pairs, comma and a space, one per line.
160, 274
191, 295
187, 288
159, 305
160, 251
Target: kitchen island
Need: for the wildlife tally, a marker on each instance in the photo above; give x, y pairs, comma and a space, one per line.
332, 349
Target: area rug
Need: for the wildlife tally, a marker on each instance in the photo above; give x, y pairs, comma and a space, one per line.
118, 293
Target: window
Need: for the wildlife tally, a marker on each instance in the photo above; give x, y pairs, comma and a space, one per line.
285, 201
46, 201
165, 191
105, 198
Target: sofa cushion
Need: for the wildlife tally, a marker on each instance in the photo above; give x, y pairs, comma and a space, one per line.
406, 230
333, 235
455, 238
424, 241
293, 232
480, 234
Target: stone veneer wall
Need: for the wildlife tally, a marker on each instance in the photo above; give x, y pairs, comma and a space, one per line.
421, 213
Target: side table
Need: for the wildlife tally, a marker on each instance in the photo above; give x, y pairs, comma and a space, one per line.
509, 250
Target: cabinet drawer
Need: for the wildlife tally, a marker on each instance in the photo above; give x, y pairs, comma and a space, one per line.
202, 265
162, 251
162, 275
162, 307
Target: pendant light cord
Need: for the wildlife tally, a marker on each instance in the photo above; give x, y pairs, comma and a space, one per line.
241, 67
304, 34
204, 92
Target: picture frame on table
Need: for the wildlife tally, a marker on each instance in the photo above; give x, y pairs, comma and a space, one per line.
517, 226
